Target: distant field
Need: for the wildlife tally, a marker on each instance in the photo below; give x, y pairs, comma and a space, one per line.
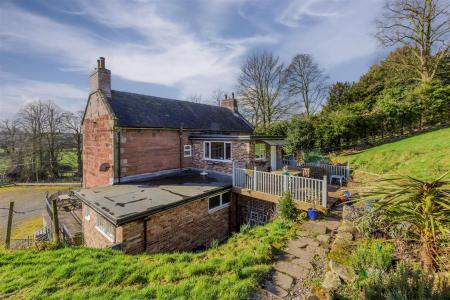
424, 156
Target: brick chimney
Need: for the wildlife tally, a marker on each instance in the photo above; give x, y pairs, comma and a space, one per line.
101, 78
230, 103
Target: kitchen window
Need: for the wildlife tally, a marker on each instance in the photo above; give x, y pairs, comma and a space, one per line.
218, 201
217, 151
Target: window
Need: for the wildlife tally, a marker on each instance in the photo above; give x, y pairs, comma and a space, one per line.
260, 151
217, 151
219, 201
87, 214
105, 228
187, 150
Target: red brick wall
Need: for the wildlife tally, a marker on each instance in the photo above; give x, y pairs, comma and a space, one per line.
245, 203
150, 150
97, 144
91, 236
186, 227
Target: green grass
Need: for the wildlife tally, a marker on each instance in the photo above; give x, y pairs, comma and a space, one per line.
230, 271
424, 156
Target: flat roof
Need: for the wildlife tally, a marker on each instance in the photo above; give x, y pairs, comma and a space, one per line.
122, 203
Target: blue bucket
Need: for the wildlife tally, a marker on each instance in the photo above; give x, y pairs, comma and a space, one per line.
312, 213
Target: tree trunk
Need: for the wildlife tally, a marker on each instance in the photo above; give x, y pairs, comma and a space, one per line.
426, 253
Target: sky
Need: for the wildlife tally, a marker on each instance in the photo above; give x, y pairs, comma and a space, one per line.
173, 48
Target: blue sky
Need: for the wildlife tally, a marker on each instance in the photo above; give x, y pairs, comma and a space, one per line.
171, 48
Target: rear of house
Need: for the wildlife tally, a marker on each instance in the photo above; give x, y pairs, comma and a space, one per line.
157, 171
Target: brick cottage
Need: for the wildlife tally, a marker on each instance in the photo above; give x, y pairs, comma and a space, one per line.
157, 172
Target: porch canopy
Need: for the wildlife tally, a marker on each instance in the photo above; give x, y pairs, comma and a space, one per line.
275, 142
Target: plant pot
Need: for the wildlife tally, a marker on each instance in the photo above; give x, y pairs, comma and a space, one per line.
312, 213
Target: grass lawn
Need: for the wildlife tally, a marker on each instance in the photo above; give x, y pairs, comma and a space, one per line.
424, 156
229, 271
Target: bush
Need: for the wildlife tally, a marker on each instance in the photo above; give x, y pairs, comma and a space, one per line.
405, 282
286, 207
374, 254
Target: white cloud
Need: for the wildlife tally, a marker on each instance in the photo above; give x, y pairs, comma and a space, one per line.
166, 53
16, 92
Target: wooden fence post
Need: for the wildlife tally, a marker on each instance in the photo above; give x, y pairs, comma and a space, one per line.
55, 221
9, 225
324, 191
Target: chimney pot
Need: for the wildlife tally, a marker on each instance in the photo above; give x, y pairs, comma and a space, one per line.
232, 95
226, 96
101, 78
102, 62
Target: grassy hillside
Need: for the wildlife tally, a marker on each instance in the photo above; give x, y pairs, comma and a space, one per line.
229, 271
424, 156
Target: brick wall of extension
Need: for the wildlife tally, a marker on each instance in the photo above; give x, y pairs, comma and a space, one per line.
183, 228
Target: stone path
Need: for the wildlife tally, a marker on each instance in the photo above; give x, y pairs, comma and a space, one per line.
303, 259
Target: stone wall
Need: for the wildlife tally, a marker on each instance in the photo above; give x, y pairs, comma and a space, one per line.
98, 143
241, 152
145, 151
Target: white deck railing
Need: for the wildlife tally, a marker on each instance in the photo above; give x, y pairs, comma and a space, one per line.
303, 189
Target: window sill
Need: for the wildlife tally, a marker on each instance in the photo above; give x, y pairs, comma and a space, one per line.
104, 234
213, 210
218, 160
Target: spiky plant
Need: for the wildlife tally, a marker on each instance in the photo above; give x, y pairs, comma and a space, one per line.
424, 205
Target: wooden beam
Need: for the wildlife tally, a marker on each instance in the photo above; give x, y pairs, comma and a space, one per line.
274, 199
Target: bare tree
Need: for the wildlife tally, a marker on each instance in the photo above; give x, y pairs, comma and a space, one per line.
261, 89
196, 98
218, 95
73, 126
54, 121
308, 82
421, 25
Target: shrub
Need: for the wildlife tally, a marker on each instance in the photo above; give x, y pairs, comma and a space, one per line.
286, 207
406, 281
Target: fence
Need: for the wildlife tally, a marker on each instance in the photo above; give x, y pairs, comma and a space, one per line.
303, 189
331, 170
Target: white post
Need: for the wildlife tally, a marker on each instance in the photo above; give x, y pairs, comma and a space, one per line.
324, 191
234, 173
285, 183
348, 171
254, 178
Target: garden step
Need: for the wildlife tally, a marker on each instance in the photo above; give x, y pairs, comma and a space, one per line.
291, 269
315, 228
302, 242
331, 281
300, 253
282, 280
324, 239
275, 290
344, 272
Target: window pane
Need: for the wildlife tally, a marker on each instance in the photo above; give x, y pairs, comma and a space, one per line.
217, 150
214, 202
228, 151
207, 150
187, 150
225, 198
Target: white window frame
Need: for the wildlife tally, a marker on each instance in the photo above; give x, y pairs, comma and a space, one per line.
187, 148
221, 205
224, 149
103, 231
87, 214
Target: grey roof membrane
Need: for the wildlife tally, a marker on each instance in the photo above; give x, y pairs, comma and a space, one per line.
123, 203
142, 111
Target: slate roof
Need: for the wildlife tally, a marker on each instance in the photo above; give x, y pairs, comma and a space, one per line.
141, 111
